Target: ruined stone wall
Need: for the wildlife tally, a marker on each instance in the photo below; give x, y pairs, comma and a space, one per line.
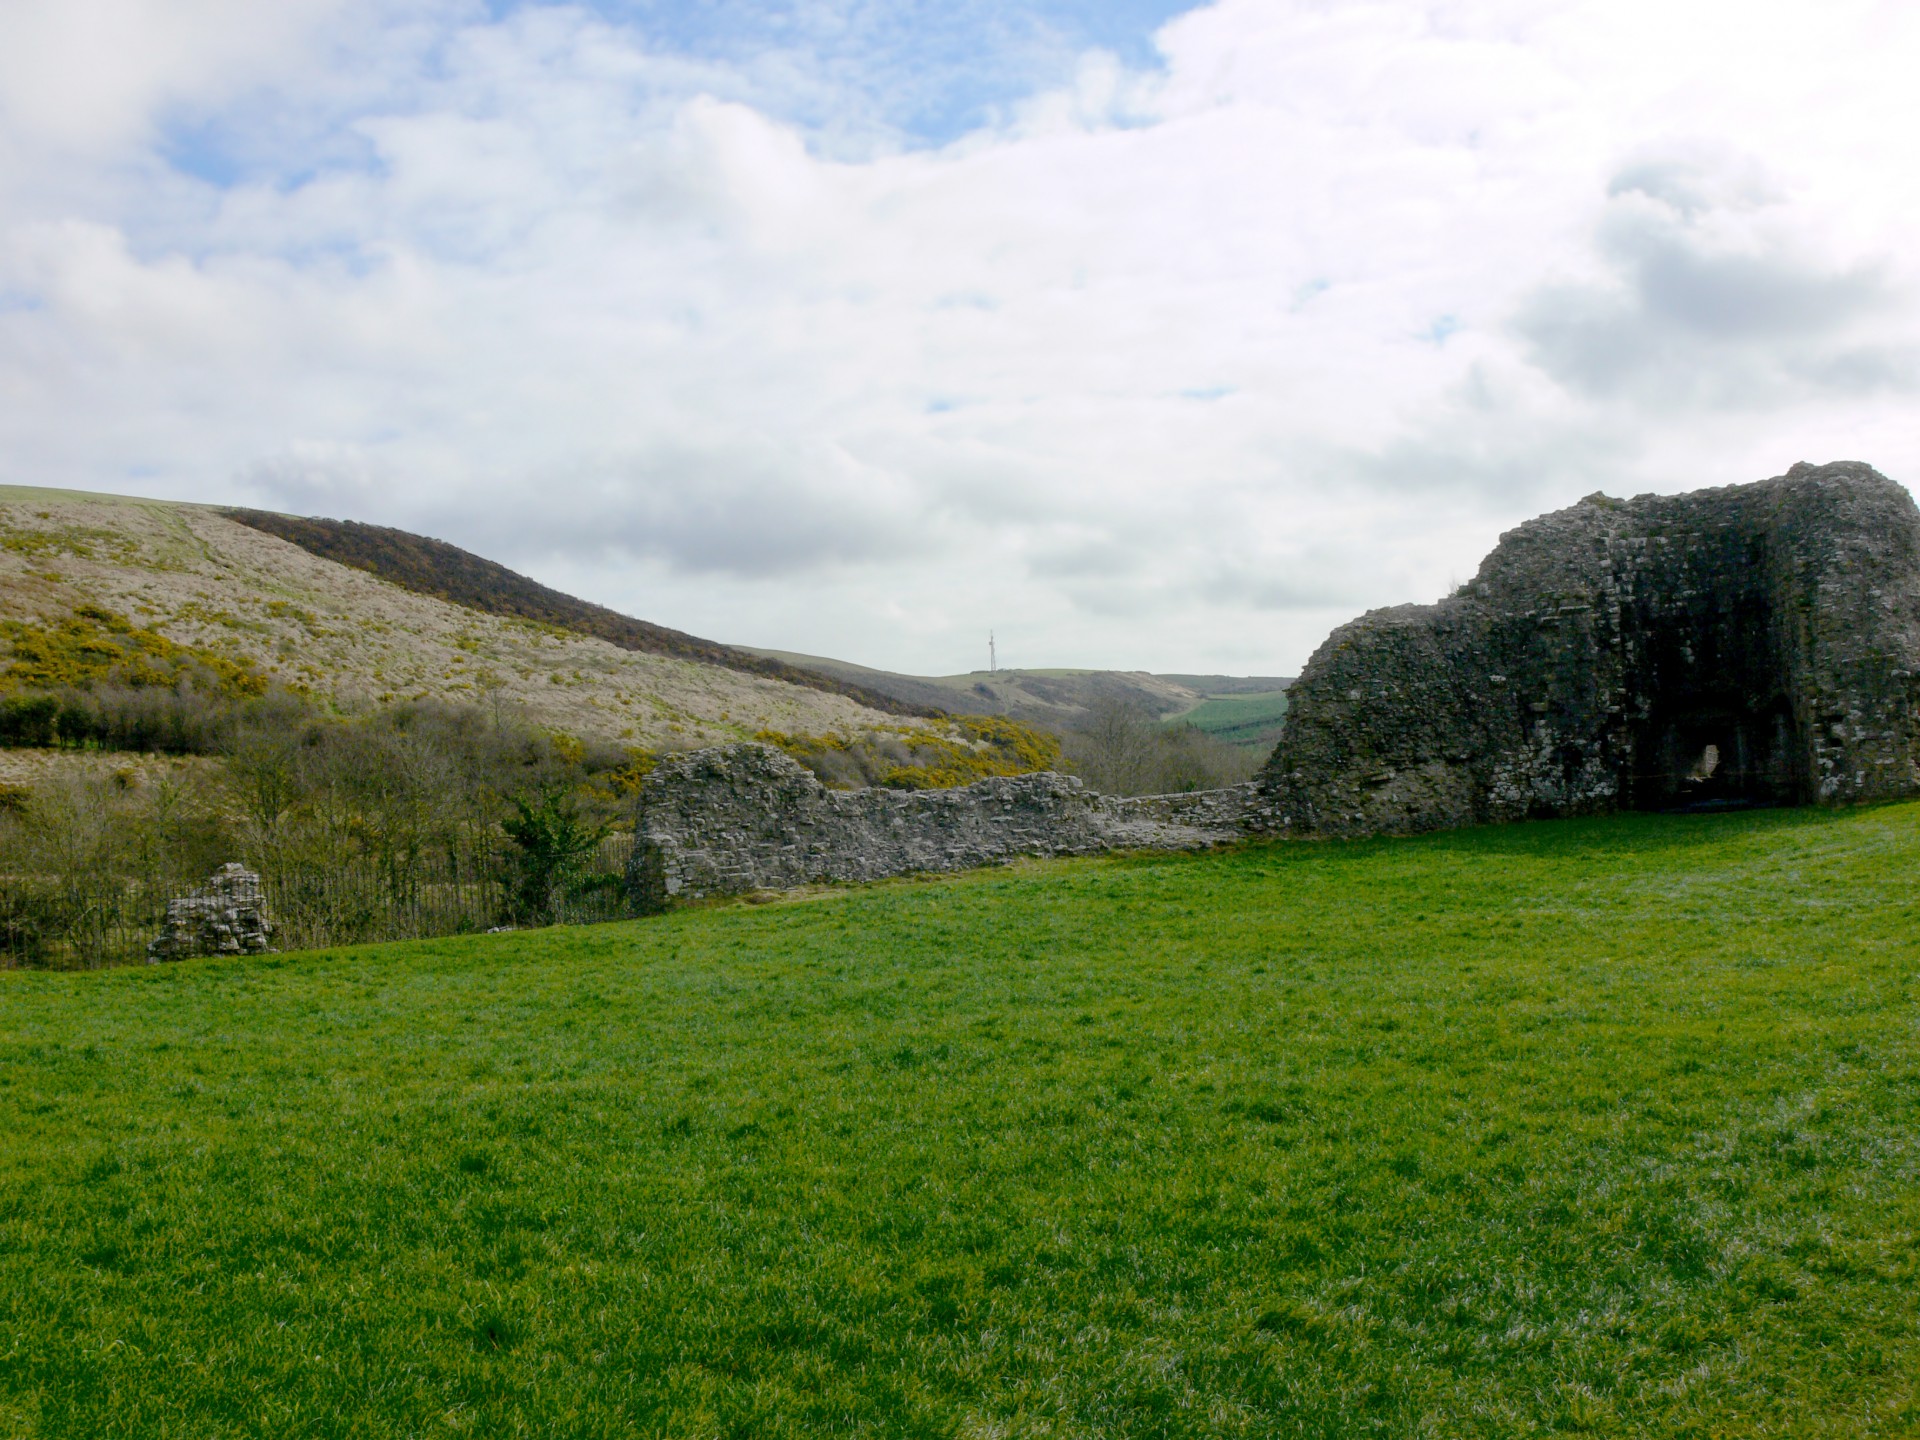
1752, 644
1603, 649
745, 817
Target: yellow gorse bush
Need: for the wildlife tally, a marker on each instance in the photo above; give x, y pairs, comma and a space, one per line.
95, 646
960, 751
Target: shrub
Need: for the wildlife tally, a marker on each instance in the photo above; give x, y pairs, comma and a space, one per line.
555, 846
905, 757
97, 681
94, 646
27, 721
1124, 749
394, 824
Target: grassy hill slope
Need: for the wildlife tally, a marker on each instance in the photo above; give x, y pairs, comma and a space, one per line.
1602, 1127
446, 572
1252, 720
199, 578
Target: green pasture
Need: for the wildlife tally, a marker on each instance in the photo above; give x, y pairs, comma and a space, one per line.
1605, 1128
1238, 719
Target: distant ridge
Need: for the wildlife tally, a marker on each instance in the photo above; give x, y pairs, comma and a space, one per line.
1243, 709
446, 572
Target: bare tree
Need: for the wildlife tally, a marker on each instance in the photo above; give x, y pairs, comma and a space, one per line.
1115, 747
1122, 748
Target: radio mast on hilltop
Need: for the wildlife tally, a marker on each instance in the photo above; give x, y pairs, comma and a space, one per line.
993, 661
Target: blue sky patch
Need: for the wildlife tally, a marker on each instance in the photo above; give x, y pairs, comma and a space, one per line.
933, 69
203, 151
916, 71
1313, 289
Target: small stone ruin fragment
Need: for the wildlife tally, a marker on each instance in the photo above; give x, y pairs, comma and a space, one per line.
226, 916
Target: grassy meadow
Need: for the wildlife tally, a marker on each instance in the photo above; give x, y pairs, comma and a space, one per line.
1609, 1128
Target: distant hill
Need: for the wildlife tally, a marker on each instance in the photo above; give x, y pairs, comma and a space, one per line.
1241, 709
1221, 685
197, 577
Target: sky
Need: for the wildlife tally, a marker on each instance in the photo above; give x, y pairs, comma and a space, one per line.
1144, 335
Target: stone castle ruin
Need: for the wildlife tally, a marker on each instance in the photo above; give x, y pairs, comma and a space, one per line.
1752, 645
1757, 644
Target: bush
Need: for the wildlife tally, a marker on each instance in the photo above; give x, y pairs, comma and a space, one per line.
907, 757
178, 721
94, 646
28, 721
552, 858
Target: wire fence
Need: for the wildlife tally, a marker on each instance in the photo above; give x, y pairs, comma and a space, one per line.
83, 920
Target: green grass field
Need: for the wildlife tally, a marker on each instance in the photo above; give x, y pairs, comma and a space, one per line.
1597, 1127
1239, 719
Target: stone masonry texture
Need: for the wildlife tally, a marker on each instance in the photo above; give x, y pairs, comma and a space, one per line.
1756, 644
739, 818
227, 916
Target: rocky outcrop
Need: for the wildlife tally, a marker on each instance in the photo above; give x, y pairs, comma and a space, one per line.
739, 818
227, 916
1752, 644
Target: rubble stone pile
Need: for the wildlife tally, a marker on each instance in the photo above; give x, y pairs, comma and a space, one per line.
227, 916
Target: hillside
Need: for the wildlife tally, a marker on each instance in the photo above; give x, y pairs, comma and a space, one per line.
197, 578
1249, 719
446, 572
1593, 1127
1058, 699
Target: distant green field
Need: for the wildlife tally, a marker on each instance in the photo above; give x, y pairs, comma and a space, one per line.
1609, 1128
1238, 719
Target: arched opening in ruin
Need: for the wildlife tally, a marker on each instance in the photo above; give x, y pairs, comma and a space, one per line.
1715, 752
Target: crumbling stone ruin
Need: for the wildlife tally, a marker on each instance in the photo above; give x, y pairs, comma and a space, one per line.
739, 818
1756, 644
1752, 645
227, 916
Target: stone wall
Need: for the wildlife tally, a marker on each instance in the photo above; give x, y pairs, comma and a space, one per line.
1757, 644
1752, 644
739, 818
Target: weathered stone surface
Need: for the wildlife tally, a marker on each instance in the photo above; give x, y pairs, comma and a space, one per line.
225, 917
1751, 644
740, 818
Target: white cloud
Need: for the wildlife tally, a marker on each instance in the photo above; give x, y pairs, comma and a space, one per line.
1713, 300
92, 75
1171, 369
